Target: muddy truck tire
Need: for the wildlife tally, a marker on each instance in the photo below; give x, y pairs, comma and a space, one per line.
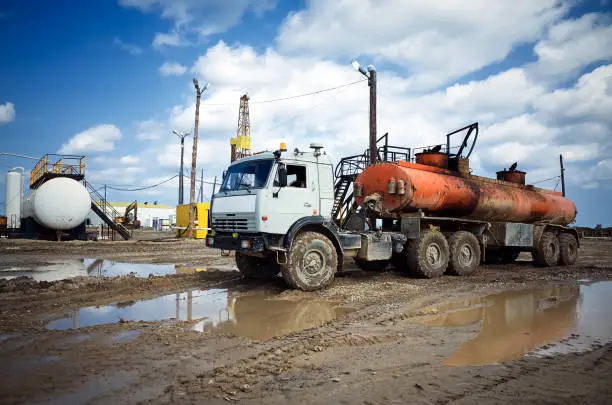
428, 256
253, 267
312, 262
547, 252
464, 253
373, 265
568, 249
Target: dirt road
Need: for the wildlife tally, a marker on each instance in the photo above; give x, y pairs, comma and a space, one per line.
508, 334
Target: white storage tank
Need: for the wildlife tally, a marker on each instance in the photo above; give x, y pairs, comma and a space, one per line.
13, 197
59, 204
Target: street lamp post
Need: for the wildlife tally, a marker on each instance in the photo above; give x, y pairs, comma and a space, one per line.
371, 75
194, 157
182, 136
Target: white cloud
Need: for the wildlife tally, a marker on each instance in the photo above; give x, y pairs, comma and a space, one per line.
129, 160
150, 130
100, 138
167, 39
199, 17
572, 44
130, 48
433, 40
172, 69
523, 117
7, 113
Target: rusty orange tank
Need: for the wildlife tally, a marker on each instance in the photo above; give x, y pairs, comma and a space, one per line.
441, 192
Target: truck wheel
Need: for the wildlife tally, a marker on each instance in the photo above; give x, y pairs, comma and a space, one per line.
427, 256
464, 253
373, 265
568, 249
547, 251
254, 267
311, 263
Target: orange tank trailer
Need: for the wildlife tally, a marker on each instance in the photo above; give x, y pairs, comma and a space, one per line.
441, 192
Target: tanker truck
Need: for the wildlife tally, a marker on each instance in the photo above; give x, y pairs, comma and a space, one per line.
426, 214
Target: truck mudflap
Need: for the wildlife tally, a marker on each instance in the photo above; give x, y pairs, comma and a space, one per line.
237, 242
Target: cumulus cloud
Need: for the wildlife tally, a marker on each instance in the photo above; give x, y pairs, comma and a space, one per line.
129, 160
129, 48
172, 69
523, 116
100, 138
435, 41
199, 17
168, 39
7, 113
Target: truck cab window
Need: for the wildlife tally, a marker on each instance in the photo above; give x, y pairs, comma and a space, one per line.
296, 176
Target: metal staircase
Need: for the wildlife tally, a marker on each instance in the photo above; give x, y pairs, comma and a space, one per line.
106, 212
347, 171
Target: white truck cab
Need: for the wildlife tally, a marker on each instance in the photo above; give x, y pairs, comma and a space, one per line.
252, 198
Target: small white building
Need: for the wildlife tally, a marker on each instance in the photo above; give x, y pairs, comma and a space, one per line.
150, 215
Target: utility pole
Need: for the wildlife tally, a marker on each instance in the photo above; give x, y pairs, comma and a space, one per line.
371, 75
213, 190
194, 156
202, 186
562, 175
182, 136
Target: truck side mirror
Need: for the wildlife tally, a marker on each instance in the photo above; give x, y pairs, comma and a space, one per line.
282, 175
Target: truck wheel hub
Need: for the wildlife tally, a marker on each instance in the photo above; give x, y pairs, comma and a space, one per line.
433, 254
465, 255
313, 262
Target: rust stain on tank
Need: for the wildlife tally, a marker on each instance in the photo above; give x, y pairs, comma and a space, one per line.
440, 191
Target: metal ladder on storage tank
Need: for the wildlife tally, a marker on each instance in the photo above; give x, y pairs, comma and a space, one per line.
106, 212
350, 167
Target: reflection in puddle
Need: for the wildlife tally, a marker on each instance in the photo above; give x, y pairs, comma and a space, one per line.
254, 316
259, 317
61, 270
513, 323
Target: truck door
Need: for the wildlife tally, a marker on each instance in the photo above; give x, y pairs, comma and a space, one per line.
299, 199
326, 189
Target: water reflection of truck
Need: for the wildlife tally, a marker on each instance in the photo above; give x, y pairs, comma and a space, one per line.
512, 323
260, 318
427, 214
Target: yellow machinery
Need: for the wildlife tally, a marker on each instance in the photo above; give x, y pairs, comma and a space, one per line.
201, 220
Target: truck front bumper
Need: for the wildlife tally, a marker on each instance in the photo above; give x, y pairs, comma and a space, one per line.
237, 242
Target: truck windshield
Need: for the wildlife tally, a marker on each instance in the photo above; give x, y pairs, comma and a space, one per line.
247, 175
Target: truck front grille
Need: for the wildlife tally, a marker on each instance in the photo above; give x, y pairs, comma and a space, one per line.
233, 223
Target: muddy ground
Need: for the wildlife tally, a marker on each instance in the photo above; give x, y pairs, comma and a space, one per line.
371, 338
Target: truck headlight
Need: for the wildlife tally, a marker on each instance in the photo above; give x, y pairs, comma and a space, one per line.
245, 244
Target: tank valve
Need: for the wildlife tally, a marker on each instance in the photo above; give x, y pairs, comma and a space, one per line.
401, 187
391, 186
357, 189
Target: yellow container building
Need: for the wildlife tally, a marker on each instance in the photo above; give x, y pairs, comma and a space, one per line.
201, 220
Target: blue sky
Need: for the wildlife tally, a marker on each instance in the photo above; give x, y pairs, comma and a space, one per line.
87, 78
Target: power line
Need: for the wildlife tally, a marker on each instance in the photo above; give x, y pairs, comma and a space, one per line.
312, 93
143, 188
542, 181
152, 186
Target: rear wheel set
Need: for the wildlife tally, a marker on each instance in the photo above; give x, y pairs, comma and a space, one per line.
556, 249
432, 255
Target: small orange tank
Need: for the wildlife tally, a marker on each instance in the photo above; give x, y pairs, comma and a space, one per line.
442, 192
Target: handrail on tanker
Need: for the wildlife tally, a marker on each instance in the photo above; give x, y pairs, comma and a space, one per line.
470, 128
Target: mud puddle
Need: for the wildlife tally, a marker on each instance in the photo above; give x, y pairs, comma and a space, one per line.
257, 317
537, 322
65, 269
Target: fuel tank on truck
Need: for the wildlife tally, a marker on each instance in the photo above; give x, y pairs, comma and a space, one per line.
59, 204
404, 187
